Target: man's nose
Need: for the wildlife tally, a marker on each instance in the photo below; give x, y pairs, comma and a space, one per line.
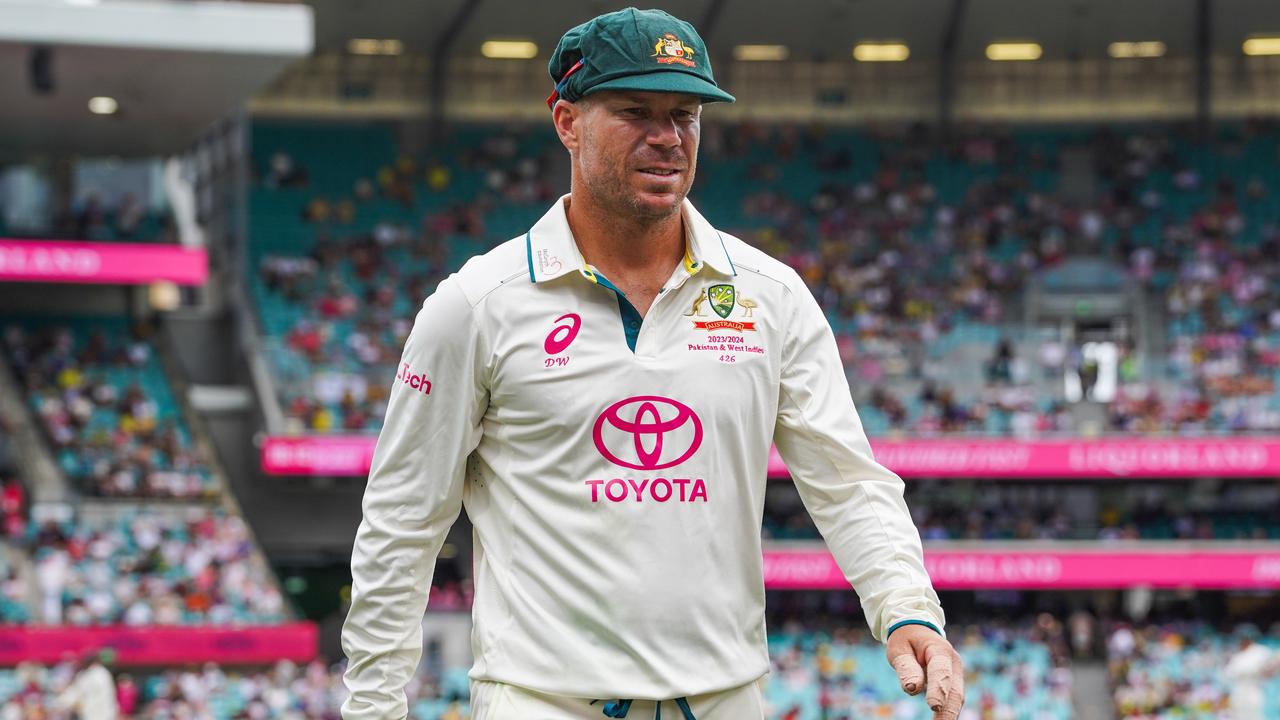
664, 132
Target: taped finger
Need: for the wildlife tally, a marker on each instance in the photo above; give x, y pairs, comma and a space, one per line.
910, 674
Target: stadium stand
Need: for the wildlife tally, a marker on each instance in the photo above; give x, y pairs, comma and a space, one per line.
1176, 670
936, 256
14, 503
342, 262
284, 691
840, 674
351, 235
836, 674
107, 408
148, 567
95, 220
14, 514
961, 510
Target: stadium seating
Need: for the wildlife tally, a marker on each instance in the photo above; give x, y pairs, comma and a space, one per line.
843, 675
1011, 675
106, 406
1162, 672
209, 692
152, 567
96, 221
341, 262
974, 511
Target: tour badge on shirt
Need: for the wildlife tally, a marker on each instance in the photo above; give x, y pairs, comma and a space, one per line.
727, 336
649, 434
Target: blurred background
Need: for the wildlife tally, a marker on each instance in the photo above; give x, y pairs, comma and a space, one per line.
1047, 235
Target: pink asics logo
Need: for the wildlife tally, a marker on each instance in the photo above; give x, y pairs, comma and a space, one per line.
647, 432
561, 336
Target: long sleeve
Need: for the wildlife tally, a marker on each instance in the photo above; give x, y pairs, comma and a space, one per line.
69, 699
856, 503
412, 498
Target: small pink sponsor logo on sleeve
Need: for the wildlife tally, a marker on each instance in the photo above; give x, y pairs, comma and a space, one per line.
417, 381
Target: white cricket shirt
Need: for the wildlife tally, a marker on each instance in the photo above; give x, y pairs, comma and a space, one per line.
614, 472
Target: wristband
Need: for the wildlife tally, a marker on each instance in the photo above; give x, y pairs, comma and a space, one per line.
899, 624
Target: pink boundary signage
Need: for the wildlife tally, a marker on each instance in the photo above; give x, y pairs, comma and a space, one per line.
162, 645
1153, 458
334, 455
1097, 567
101, 262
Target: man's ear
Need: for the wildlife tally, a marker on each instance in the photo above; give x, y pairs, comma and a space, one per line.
563, 115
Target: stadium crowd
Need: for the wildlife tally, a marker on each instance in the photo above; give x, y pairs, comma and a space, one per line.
208, 692
13, 491
1190, 670
152, 568
977, 511
836, 673
107, 410
824, 669
14, 514
91, 218
968, 222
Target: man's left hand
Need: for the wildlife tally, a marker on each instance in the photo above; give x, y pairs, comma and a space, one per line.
923, 658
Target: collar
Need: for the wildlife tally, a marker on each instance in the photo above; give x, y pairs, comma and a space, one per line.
553, 253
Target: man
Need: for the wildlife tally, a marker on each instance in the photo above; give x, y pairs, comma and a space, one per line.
601, 394
92, 694
1246, 672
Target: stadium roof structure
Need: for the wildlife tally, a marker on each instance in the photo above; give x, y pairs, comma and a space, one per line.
819, 29
169, 69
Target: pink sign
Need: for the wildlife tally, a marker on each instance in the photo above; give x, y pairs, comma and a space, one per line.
162, 645
1150, 458
349, 455
1096, 567
101, 262
329, 455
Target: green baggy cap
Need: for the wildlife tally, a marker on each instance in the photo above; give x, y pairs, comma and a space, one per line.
633, 50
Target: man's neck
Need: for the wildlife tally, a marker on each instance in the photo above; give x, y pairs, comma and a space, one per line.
625, 249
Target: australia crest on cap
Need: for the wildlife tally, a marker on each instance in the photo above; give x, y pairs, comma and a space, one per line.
670, 49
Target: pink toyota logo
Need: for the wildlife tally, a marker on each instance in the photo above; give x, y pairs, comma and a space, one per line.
647, 432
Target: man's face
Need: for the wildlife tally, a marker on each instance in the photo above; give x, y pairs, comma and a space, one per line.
638, 151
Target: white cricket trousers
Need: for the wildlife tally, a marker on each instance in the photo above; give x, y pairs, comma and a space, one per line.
499, 701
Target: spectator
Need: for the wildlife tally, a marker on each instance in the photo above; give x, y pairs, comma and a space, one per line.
92, 695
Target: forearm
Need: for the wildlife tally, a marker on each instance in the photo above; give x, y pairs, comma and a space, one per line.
391, 571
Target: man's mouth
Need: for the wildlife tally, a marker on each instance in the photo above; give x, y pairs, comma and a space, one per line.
660, 172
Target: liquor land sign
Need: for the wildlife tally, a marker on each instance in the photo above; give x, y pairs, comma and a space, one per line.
1156, 458
323, 455
162, 645
1149, 458
101, 262
1096, 567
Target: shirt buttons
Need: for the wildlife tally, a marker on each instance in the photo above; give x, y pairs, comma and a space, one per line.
633, 325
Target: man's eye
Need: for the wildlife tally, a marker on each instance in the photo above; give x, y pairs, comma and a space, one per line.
635, 111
